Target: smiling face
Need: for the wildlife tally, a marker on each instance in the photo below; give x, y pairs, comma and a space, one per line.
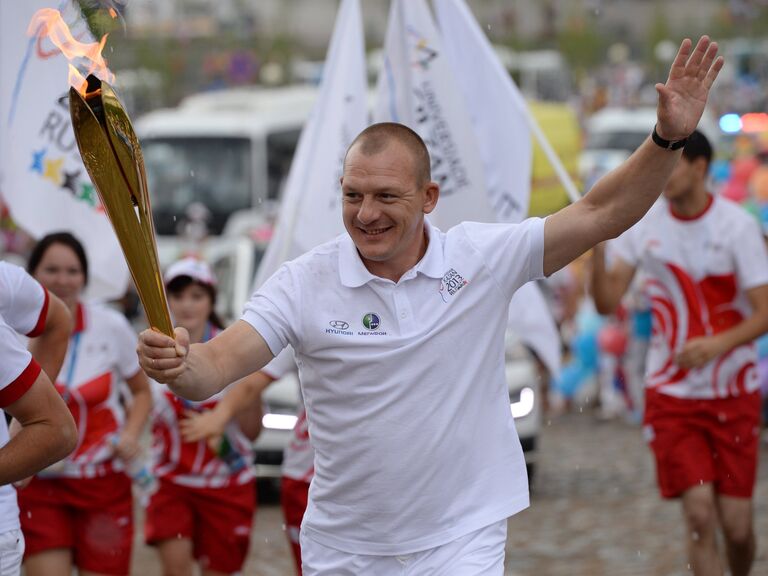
60, 272
383, 208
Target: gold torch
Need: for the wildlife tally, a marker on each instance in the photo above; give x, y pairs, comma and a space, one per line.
112, 156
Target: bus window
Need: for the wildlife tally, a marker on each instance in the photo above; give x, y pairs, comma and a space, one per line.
280, 149
216, 172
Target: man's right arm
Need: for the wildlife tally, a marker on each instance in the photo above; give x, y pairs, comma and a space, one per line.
199, 371
50, 347
47, 433
609, 286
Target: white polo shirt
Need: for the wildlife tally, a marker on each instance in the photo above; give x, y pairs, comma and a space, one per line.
404, 385
23, 309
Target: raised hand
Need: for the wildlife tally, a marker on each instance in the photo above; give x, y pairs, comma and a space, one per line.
683, 98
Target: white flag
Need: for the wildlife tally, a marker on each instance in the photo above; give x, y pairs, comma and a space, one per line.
532, 321
310, 211
500, 121
42, 178
496, 106
416, 88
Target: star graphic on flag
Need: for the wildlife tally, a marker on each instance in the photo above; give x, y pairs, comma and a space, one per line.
86, 193
37, 160
70, 181
425, 54
53, 170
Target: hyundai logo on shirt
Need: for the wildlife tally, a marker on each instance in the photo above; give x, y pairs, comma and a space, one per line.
338, 327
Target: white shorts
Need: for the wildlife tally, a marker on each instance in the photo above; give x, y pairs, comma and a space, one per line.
480, 553
11, 552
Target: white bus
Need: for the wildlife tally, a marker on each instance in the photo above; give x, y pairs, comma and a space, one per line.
228, 150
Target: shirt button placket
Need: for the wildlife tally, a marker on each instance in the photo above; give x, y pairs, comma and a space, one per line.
403, 310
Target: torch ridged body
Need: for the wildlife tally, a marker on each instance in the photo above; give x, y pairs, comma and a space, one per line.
111, 153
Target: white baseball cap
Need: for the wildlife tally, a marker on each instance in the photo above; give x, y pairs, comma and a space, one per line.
196, 269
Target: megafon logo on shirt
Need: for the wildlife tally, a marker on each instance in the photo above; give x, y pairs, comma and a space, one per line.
372, 322
451, 283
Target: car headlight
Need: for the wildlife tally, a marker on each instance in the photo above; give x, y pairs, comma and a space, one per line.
522, 404
279, 421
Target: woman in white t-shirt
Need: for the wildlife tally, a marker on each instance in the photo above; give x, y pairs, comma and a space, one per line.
204, 506
79, 512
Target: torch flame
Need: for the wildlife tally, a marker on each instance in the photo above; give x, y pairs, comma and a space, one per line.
48, 23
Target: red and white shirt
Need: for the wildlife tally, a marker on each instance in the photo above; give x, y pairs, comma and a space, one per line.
194, 464
101, 355
697, 271
23, 309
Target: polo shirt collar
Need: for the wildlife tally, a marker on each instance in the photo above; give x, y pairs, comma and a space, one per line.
353, 273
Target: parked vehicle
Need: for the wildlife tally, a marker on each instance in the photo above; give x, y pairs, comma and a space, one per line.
227, 151
525, 398
614, 133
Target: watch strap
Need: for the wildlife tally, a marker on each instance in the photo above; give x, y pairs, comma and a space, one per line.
667, 144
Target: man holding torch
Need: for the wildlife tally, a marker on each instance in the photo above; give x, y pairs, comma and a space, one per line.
398, 330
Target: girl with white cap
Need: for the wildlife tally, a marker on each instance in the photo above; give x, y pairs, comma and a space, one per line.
206, 498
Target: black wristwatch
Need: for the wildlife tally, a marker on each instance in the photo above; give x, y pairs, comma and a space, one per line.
667, 144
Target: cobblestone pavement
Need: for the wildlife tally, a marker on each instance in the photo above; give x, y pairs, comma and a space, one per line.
595, 512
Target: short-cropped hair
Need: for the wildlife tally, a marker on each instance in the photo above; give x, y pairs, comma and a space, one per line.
376, 137
698, 146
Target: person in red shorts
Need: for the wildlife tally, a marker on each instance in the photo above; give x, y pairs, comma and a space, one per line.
706, 269
297, 473
79, 512
203, 509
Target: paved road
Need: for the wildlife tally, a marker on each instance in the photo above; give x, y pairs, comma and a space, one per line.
595, 512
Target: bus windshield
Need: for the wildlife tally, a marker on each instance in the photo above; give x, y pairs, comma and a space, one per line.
216, 172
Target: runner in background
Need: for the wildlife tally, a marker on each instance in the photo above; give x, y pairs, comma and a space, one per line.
706, 268
79, 512
202, 451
